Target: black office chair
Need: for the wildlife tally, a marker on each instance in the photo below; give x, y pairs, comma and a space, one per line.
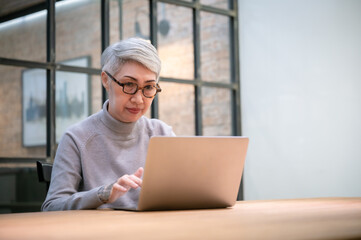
44, 172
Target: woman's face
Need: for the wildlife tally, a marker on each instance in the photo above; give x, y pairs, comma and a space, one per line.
125, 107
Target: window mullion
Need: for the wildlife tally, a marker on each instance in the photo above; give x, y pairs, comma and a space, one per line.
154, 40
50, 82
197, 72
104, 35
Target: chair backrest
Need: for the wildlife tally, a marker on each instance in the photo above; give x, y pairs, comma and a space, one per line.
44, 172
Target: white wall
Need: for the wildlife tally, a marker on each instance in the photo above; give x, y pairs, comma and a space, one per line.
301, 97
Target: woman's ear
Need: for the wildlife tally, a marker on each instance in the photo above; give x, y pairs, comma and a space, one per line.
105, 81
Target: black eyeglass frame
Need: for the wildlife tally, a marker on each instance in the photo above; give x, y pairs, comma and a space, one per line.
157, 87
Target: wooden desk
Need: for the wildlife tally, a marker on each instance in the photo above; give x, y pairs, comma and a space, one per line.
323, 218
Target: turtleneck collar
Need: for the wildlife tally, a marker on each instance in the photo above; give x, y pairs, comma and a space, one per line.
114, 124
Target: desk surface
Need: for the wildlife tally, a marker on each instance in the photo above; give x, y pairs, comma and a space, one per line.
322, 218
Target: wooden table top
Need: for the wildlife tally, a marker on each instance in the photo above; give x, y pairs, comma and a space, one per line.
321, 218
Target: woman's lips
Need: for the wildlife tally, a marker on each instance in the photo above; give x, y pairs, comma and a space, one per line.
134, 110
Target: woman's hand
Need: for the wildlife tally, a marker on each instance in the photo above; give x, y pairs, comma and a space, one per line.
124, 183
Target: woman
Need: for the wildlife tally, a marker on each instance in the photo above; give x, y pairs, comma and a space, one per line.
99, 160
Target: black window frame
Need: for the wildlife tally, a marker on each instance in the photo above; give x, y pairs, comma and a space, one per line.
51, 66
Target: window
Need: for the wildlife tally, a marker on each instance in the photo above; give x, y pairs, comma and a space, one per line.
197, 42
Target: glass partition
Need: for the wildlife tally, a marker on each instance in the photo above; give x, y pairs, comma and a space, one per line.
175, 41
24, 37
176, 104
23, 112
216, 110
135, 20
78, 31
215, 48
217, 3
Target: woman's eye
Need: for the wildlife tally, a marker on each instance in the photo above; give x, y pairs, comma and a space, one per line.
149, 87
129, 84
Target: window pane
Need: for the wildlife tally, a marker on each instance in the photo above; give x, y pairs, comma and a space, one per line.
95, 93
73, 99
176, 107
114, 21
175, 41
216, 108
23, 112
24, 38
135, 21
216, 3
78, 30
215, 48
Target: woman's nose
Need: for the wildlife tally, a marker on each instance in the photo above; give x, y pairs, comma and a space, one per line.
137, 97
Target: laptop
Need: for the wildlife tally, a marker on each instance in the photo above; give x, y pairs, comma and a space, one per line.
192, 172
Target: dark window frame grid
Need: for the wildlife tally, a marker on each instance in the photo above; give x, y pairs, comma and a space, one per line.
51, 66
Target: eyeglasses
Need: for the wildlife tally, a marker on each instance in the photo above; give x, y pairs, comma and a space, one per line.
149, 91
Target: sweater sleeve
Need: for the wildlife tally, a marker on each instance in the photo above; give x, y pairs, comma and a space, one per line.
66, 178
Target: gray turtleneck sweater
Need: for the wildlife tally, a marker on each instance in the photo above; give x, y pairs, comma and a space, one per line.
95, 153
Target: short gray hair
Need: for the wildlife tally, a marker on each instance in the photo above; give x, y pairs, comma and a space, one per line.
131, 49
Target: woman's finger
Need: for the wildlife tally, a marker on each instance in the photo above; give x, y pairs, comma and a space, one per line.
127, 182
